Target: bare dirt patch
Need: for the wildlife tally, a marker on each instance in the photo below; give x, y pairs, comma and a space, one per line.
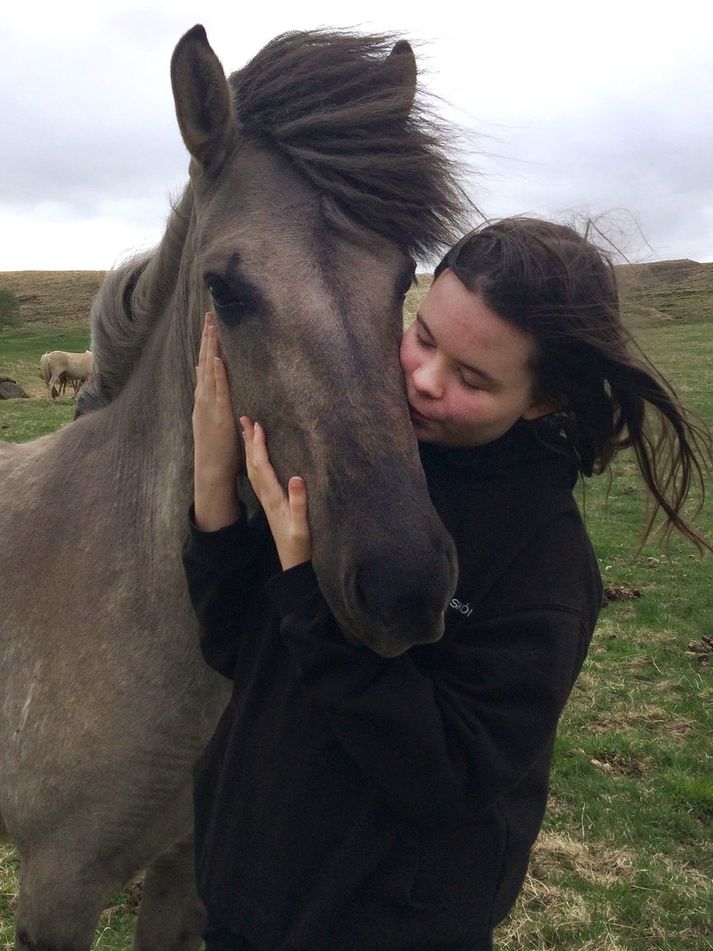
701, 650
619, 592
646, 715
620, 764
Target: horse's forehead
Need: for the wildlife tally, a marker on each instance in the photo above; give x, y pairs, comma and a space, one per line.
259, 202
259, 182
262, 210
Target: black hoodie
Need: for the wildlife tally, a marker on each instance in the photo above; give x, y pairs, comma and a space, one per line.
351, 802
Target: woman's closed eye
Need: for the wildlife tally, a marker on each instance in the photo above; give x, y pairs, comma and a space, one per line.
426, 344
468, 385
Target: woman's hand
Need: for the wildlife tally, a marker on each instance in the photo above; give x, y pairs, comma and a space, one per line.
286, 511
215, 438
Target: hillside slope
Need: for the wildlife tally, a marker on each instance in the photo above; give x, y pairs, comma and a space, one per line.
53, 298
679, 290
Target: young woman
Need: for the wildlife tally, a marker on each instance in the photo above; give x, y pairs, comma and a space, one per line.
351, 802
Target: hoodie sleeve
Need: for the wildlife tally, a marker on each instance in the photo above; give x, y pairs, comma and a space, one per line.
223, 569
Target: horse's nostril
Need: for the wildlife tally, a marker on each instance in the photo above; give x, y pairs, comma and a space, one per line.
386, 590
379, 590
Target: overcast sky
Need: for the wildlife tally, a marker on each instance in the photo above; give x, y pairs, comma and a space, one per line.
585, 108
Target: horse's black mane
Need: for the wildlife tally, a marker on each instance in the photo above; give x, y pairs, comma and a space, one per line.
330, 102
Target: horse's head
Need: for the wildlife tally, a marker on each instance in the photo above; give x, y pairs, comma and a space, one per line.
305, 222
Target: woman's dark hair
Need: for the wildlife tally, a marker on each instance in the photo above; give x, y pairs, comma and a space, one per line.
551, 282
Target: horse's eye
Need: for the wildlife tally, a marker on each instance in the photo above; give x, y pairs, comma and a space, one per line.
235, 300
222, 293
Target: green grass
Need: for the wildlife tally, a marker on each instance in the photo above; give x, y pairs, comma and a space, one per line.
625, 856
624, 859
26, 344
22, 420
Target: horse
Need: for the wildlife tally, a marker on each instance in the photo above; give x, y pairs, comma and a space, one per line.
315, 181
59, 368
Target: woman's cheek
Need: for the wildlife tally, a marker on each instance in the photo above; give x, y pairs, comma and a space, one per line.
406, 355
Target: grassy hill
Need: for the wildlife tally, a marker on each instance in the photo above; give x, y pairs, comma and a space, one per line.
679, 290
55, 305
53, 298
672, 290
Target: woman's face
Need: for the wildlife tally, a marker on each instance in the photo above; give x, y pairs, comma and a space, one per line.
468, 371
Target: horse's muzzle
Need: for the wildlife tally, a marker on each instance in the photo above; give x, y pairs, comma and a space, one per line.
397, 602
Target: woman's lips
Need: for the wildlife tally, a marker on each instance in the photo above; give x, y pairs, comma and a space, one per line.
417, 417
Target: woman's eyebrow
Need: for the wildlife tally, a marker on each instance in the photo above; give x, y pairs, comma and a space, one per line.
482, 374
424, 325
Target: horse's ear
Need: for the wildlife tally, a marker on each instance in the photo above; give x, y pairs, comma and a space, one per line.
403, 63
204, 106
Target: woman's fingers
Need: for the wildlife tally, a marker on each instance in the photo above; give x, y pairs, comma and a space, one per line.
209, 349
200, 368
211, 376
211, 353
297, 496
216, 455
213, 348
246, 425
248, 432
260, 472
259, 446
286, 511
213, 419
220, 380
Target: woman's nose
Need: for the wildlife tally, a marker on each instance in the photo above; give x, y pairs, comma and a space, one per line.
427, 379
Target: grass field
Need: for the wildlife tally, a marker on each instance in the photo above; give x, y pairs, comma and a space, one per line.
625, 857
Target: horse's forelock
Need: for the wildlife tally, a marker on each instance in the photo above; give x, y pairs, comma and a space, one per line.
332, 103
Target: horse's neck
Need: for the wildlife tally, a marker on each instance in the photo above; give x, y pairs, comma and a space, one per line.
147, 428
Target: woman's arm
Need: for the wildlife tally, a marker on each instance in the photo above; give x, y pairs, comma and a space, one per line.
224, 570
224, 557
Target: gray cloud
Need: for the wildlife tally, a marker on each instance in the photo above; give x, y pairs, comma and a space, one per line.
90, 138
645, 159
